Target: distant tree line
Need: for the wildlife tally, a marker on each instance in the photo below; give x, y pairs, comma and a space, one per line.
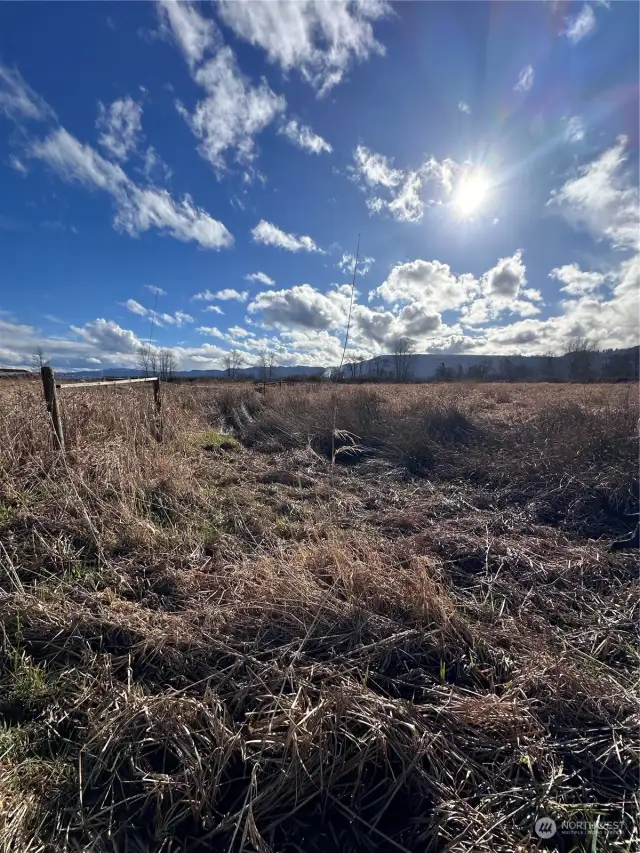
580, 361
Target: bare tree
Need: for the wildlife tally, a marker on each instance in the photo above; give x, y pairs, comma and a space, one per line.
148, 358
580, 352
232, 362
266, 363
38, 360
167, 364
403, 352
378, 366
549, 365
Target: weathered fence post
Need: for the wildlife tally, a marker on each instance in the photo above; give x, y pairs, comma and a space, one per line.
158, 402
51, 398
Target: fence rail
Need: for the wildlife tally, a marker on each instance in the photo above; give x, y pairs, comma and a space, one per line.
50, 388
61, 385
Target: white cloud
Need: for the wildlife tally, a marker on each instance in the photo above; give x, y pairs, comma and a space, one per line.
18, 165
346, 264
120, 127
137, 209
575, 281
574, 130
603, 198
464, 107
271, 235
260, 277
525, 79
179, 318
227, 293
213, 331
430, 283
153, 165
194, 34
136, 307
507, 278
157, 291
18, 100
230, 293
215, 308
320, 39
233, 112
580, 26
376, 169
303, 137
408, 191
108, 336
407, 205
301, 307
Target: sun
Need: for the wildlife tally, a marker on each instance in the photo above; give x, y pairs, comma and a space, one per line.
470, 193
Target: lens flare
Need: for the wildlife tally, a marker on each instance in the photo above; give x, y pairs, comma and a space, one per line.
470, 193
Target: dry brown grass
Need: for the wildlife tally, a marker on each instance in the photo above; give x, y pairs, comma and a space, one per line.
421, 647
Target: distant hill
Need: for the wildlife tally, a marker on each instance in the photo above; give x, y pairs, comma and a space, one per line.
423, 366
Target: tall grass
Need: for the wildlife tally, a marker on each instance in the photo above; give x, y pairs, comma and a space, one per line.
223, 647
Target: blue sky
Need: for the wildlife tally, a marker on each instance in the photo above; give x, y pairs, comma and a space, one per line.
218, 161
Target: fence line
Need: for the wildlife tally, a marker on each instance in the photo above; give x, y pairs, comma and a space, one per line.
50, 388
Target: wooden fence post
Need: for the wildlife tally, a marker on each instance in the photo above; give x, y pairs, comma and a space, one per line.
158, 403
51, 398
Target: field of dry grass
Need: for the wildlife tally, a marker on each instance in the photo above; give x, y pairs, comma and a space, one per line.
226, 642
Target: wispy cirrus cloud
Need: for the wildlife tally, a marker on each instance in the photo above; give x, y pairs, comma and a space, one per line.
270, 235
120, 126
321, 40
404, 193
525, 79
304, 138
603, 198
18, 101
138, 209
580, 26
234, 110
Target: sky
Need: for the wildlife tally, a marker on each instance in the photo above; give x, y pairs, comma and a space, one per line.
197, 176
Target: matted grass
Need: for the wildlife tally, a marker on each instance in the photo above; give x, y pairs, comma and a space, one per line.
421, 643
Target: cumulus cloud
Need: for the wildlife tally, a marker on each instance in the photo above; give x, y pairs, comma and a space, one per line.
120, 127
430, 283
157, 291
603, 198
580, 26
108, 336
319, 39
137, 209
215, 308
577, 282
303, 137
260, 277
18, 101
301, 307
270, 235
506, 278
525, 79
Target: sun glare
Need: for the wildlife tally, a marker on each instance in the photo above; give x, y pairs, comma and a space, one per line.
470, 193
